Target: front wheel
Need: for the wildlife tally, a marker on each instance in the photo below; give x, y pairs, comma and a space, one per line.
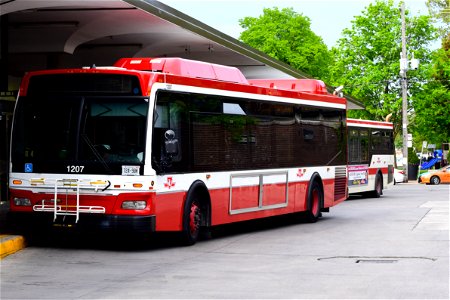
192, 219
435, 180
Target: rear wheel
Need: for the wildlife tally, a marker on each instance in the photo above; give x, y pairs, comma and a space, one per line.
378, 187
435, 180
315, 200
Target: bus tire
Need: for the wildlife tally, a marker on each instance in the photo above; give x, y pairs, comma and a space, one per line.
192, 217
315, 200
196, 214
378, 187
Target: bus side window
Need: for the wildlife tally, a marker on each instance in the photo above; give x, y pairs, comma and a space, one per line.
376, 140
364, 142
171, 113
359, 146
353, 148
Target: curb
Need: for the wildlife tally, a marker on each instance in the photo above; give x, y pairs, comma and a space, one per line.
10, 244
9, 241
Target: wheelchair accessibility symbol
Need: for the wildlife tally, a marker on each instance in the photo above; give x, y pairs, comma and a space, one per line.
28, 168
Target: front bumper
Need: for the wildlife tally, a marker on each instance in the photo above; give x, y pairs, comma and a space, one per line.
25, 221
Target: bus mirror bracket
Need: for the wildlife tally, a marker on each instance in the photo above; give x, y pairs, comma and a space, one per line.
171, 143
170, 150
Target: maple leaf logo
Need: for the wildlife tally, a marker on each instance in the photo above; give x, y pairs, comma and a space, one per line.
170, 183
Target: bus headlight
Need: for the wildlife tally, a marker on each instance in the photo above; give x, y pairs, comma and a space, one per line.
134, 204
22, 202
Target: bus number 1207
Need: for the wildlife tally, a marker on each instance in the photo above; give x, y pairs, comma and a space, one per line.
75, 169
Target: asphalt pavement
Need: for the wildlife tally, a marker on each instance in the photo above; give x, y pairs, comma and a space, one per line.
393, 247
12, 241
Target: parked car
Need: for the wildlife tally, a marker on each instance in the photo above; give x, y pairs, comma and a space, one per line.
399, 176
436, 176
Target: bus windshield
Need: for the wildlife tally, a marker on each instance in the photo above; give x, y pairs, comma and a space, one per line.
76, 134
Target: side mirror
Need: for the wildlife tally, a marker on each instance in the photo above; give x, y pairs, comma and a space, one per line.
171, 143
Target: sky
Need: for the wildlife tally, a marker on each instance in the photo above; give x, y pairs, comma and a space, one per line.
328, 17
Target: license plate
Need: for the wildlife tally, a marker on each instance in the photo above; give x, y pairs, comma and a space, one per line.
130, 170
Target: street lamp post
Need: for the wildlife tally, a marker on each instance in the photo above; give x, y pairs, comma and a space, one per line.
404, 67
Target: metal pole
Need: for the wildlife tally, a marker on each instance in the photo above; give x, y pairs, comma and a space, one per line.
404, 97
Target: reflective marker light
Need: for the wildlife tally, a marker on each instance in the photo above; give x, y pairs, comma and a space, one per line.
22, 202
134, 204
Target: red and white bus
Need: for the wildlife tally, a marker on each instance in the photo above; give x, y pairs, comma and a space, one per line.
168, 144
370, 156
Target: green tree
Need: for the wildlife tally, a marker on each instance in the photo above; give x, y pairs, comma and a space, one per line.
432, 109
286, 35
440, 11
367, 60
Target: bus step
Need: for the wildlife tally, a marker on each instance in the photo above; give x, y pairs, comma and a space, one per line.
65, 221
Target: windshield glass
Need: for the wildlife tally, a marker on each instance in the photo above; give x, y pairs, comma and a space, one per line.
75, 134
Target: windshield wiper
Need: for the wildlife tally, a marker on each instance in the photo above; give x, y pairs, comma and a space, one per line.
96, 153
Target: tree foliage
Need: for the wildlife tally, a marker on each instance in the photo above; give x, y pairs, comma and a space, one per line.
367, 60
432, 108
439, 10
286, 35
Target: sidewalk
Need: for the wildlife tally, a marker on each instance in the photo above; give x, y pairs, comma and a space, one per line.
9, 242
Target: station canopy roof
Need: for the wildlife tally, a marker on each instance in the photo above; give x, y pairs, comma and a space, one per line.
46, 34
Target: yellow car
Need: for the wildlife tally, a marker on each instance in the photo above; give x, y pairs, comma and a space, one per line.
436, 176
